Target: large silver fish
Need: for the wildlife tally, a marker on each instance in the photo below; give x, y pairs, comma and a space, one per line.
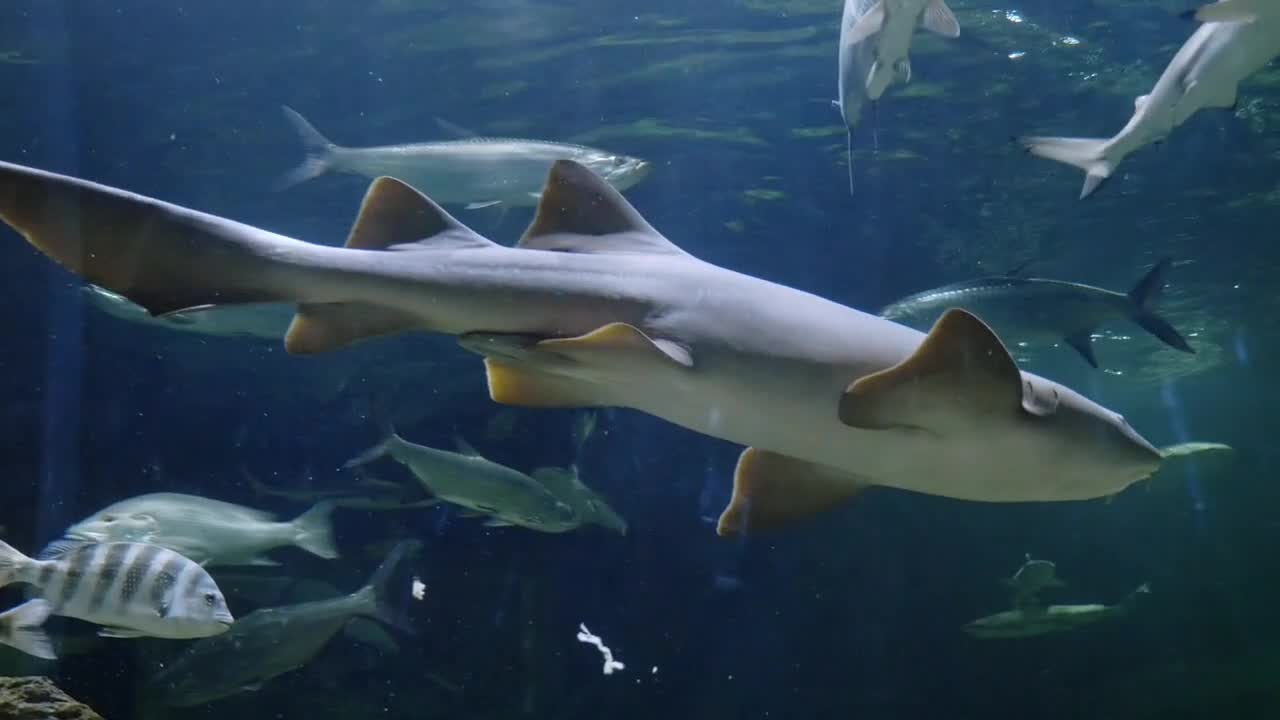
208, 531
593, 307
1025, 307
507, 496
131, 589
1205, 73
1040, 620
268, 322
270, 642
480, 172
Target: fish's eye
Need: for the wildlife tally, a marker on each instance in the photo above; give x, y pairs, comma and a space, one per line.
108, 518
210, 599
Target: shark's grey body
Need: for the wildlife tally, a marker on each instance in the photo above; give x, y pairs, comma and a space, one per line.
1204, 73
594, 308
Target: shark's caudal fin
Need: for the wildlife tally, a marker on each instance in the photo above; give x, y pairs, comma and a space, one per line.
1088, 154
20, 628
313, 531
319, 149
1143, 295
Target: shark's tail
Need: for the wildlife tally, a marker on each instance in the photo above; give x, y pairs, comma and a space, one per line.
313, 531
320, 151
20, 628
1095, 156
1143, 295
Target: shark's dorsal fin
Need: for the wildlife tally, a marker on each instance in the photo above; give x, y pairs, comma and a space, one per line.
580, 212
959, 369
464, 447
772, 491
395, 216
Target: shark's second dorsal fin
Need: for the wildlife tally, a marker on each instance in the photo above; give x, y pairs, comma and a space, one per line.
395, 216
580, 212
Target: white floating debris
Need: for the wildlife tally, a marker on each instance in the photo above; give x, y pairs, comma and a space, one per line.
1068, 40
1013, 16
1018, 54
584, 635
419, 590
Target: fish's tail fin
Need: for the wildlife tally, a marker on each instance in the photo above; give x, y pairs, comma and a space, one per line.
20, 628
1092, 155
313, 530
1143, 295
319, 149
375, 596
382, 449
11, 563
1131, 600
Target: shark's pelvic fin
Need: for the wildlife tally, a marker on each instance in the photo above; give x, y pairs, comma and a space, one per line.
516, 384
393, 217
960, 367
772, 491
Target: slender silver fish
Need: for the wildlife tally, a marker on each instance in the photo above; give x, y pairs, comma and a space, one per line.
131, 589
1040, 620
594, 308
480, 172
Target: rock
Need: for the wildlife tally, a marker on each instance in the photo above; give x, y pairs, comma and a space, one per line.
37, 698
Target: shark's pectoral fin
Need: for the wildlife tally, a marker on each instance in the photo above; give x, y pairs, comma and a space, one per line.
618, 343
938, 18
393, 217
866, 26
772, 491
960, 372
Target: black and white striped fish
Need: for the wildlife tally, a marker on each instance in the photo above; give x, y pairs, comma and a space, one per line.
20, 628
131, 589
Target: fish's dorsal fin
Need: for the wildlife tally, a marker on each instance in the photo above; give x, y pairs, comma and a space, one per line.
464, 447
558, 481
961, 368
456, 130
580, 212
58, 548
772, 491
394, 214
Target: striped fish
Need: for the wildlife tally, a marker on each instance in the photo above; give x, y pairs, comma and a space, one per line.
20, 628
131, 589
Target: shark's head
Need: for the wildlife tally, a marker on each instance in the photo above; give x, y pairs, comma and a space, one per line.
622, 171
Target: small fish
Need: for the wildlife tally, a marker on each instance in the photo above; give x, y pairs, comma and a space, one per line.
854, 61
587, 505
1205, 73
896, 21
1040, 620
1030, 580
1024, 307
131, 589
20, 629
265, 321
210, 532
464, 478
478, 172
270, 642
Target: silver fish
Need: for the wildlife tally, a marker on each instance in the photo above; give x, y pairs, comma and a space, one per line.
593, 307
480, 172
20, 629
266, 321
1033, 578
208, 531
1023, 307
1205, 73
270, 642
587, 505
131, 589
369, 494
507, 496
1041, 620
894, 23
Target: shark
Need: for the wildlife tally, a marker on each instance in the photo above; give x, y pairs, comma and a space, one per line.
1205, 73
593, 307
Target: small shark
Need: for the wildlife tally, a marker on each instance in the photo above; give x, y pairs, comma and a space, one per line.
896, 22
1020, 306
593, 307
480, 172
1034, 577
1040, 620
1205, 73
855, 59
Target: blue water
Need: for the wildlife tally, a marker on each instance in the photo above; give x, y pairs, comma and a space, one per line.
855, 614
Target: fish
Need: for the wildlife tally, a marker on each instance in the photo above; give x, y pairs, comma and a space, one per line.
1020, 306
1205, 73
130, 589
593, 307
1233, 11
587, 505
266, 322
478, 172
854, 61
894, 24
506, 496
369, 494
1034, 577
1041, 620
210, 532
20, 629
269, 642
